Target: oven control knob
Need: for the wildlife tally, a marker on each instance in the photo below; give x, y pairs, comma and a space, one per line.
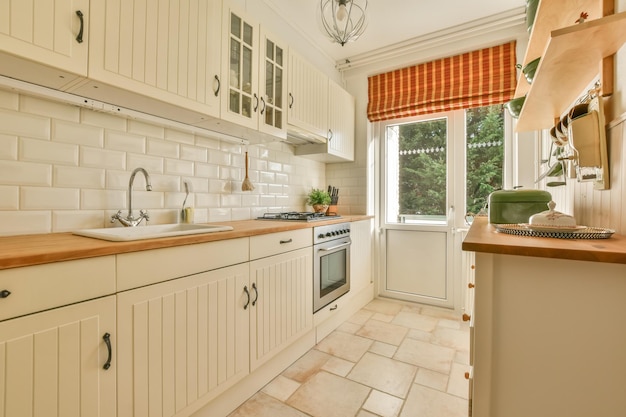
320, 236
328, 234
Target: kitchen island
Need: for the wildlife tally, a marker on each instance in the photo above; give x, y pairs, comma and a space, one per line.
547, 325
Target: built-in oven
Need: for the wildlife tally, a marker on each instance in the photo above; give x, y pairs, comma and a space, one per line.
331, 263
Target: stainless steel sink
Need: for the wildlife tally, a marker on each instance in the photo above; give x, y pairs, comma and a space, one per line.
123, 234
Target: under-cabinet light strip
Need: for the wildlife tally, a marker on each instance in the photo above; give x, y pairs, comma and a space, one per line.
40, 91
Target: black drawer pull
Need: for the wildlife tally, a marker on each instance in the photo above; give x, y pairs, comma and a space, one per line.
333, 307
282, 242
256, 292
79, 37
245, 289
5, 293
107, 340
219, 84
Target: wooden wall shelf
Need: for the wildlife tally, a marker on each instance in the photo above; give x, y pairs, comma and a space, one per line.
569, 63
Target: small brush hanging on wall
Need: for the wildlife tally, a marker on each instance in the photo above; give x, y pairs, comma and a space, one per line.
247, 184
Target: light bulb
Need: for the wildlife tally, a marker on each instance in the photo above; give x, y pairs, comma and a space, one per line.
342, 12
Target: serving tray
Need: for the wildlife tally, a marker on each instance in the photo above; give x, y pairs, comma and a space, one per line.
580, 232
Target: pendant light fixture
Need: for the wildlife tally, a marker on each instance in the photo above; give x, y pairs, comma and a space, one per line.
343, 20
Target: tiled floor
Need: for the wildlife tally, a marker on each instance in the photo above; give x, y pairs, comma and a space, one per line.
390, 359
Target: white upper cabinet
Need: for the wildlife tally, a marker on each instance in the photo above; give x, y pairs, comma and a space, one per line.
253, 69
43, 41
341, 122
307, 101
164, 50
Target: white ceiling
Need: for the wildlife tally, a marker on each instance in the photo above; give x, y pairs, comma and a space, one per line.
390, 21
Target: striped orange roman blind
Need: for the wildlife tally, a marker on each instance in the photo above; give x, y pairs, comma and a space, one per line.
473, 79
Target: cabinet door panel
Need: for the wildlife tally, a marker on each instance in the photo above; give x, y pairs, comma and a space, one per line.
51, 363
308, 96
182, 342
284, 308
44, 32
341, 122
164, 49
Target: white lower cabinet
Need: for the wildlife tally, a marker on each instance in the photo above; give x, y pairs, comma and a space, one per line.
282, 308
52, 363
182, 342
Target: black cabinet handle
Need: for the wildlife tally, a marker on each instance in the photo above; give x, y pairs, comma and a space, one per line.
256, 102
330, 135
290, 100
256, 291
5, 293
107, 340
282, 242
333, 307
79, 37
219, 85
245, 289
263, 108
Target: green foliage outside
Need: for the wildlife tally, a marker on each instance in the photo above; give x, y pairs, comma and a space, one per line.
422, 164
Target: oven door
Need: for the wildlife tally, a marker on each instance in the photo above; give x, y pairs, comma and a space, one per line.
331, 271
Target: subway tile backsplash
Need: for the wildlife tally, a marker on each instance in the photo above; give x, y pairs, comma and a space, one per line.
64, 168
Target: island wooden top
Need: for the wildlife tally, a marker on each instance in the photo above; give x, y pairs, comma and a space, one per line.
483, 237
25, 250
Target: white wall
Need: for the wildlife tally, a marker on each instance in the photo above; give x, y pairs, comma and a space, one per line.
64, 168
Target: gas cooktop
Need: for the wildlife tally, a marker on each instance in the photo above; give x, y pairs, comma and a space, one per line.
306, 216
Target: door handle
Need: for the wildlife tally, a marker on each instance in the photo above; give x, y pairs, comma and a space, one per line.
256, 292
79, 37
334, 247
107, 341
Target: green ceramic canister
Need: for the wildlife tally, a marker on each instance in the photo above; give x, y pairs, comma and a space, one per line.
516, 206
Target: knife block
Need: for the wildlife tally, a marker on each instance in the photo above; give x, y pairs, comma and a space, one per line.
332, 211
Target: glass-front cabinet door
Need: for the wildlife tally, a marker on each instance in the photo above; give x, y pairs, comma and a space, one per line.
272, 117
253, 66
240, 104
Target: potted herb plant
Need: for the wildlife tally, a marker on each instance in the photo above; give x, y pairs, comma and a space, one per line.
319, 200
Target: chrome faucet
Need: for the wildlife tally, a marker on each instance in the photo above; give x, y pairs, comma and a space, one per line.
130, 221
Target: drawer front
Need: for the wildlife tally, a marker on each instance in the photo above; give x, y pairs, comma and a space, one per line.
275, 243
157, 265
41, 287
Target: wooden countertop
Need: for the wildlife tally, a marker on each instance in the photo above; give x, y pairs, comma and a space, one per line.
25, 250
483, 237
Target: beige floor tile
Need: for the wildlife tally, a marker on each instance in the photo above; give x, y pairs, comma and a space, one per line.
456, 339
432, 379
415, 321
442, 313
343, 345
426, 355
380, 305
383, 349
457, 384
387, 318
384, 374
383, 332
364, 413
348, 327
383, 404
262, 405
338, 366
450, 324
327, 395
308, 365
462, 357
427, 402
281, 388
360, 317
419, 335
412, 308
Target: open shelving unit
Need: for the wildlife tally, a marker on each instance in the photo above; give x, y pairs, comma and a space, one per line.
571, 57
